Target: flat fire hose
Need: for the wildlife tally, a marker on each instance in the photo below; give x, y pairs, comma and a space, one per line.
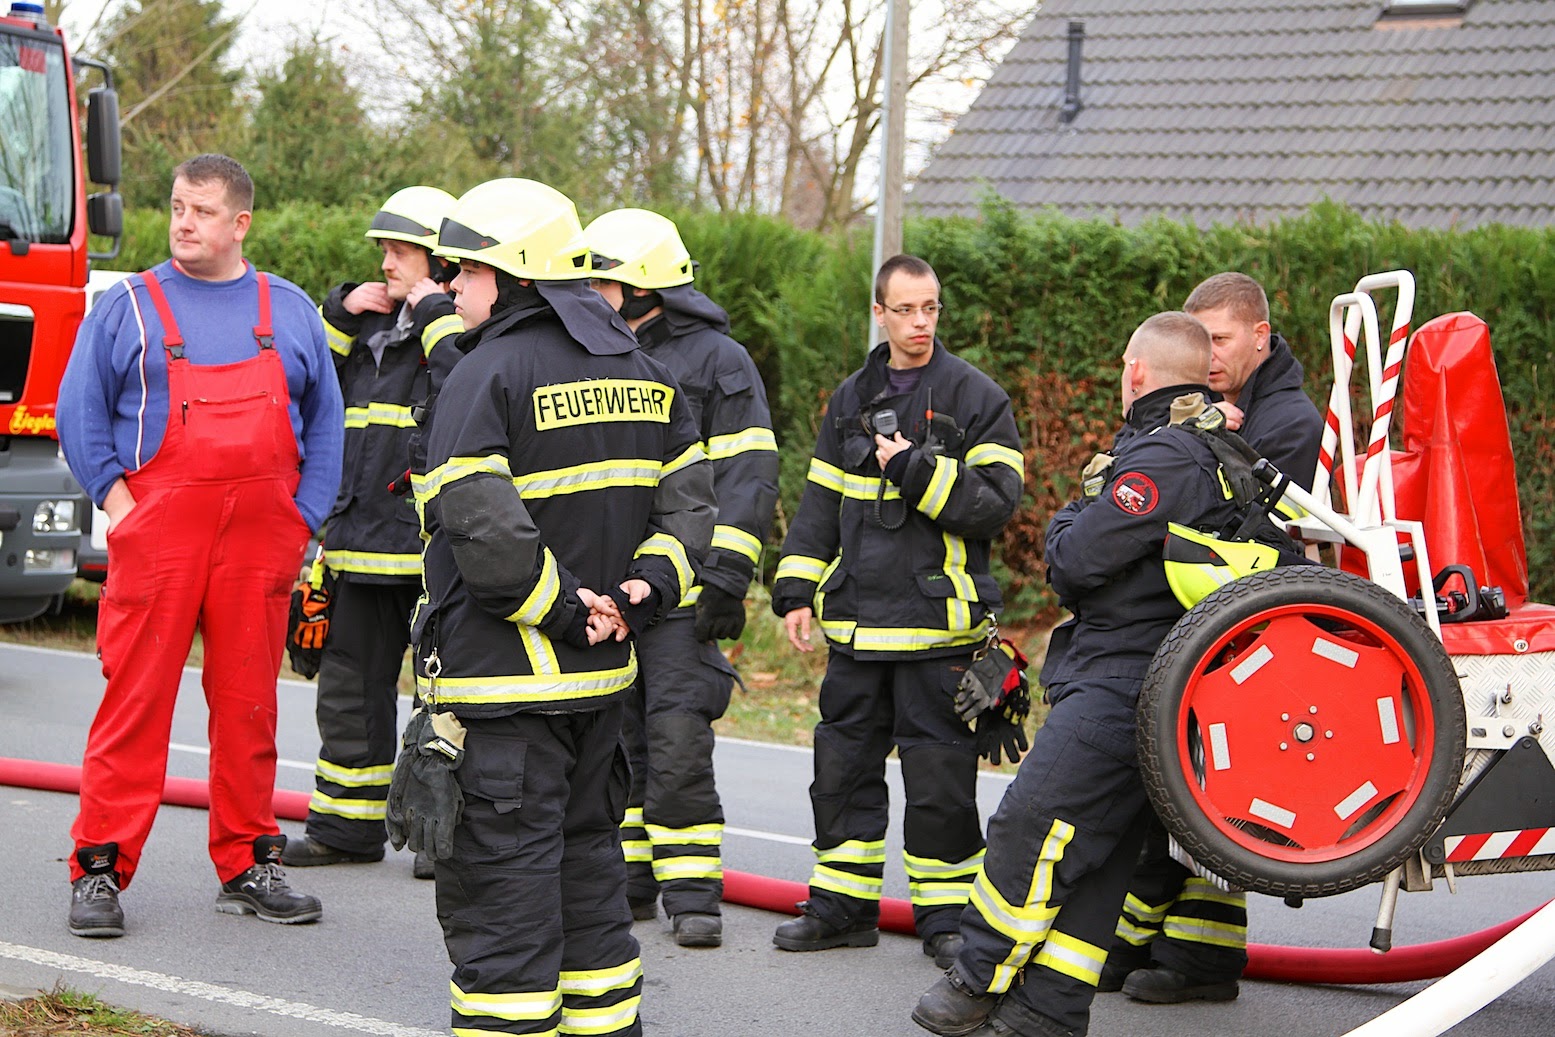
1265, 961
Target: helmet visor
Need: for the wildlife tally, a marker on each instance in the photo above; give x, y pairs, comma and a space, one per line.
391, 223
457, 236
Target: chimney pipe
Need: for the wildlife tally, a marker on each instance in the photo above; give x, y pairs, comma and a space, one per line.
1072, 103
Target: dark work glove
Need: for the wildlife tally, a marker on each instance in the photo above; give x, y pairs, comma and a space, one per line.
995, 731
425, 802
996, 673
720, 615
307, 628
639, 617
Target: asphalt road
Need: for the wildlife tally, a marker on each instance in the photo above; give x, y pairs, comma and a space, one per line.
375, 964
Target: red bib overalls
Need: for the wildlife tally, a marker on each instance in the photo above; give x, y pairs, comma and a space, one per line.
215, 541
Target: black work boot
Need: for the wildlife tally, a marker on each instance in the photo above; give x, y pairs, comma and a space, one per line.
943, 948
1117, 970
308, 852
262, 889
951, 1007
696, 929
643, 910
809, 933
1164, 986
94, 897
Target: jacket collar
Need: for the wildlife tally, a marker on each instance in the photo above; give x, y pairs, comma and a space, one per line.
873, 381
1154, 409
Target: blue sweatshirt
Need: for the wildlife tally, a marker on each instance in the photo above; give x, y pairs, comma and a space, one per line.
109, 425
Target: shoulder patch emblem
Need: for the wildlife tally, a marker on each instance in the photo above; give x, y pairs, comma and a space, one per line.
1135, 493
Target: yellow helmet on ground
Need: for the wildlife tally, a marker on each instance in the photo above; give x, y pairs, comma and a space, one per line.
639, 248
413, 214
521, 227
1198, 564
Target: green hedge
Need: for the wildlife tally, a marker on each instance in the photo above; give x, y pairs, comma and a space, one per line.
1045, 304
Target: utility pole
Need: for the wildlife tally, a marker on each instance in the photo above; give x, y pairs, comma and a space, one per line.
893, 145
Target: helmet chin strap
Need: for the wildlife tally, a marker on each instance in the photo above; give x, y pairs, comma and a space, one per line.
440, 270
635, 306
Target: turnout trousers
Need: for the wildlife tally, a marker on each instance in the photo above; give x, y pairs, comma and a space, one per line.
1175, 919
1061, 848
357, 711
214, 541
672, 834
866, 708
533, 901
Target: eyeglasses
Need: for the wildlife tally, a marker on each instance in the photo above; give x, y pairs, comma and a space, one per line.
930, 310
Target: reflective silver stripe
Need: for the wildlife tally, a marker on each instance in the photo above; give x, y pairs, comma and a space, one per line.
594, 982
696, 835
456, 468
667, 868
731, 444
353, 777
541, 1004
1071, 957
373, 562
994, 453
1196, 888
688, 457
826, 476
590, 1021
1198, 930
853, 851
391, 414
798, 567
735, 539
667, 546
546, 590
532, 687
846, 883
914, 639
928, 867
596, 475
937, 493
448, 324
355, 809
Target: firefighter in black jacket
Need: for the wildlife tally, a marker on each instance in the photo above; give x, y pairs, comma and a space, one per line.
1182, 937
674, 823
566, 500
1067, 834
917, 467
393, 344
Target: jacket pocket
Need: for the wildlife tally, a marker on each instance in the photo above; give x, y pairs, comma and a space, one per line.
968, 599
493, 786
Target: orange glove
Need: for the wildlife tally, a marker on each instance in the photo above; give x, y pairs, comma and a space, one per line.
309, 628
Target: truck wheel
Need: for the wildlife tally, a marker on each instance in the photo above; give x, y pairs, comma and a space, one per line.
1301, 732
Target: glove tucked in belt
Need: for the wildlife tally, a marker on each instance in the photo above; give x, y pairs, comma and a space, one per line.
425, 802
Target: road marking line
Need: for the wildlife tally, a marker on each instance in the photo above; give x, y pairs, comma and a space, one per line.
774, 837
205, 750
222, 995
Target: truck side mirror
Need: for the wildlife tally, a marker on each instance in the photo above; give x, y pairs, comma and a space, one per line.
102, 138
105, 217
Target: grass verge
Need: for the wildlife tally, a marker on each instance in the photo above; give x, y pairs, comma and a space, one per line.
65, 1011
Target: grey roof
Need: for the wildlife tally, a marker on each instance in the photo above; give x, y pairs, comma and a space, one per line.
1226, 110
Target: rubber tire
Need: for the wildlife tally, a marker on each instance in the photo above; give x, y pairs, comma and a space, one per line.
1180, 657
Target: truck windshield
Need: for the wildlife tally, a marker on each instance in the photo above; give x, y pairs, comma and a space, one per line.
37, 167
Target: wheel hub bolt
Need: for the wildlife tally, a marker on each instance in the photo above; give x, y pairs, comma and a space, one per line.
1304, 732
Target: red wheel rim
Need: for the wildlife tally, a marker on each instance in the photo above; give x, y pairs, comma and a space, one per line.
1305, 733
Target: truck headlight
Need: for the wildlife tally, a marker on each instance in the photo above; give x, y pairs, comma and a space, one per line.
54, 516
45, 560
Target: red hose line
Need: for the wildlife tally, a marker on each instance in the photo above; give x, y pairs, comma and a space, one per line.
1265, 961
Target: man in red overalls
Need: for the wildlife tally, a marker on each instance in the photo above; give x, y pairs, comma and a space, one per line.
200, 411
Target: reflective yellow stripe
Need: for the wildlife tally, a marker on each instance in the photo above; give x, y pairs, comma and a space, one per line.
735, 540
853, 851
866, 488
610, 1019
547, 589
389, 414
596, 475
675, 551
353, 777
539, 651
373, 562
690, 597
798, 567
742, 442
958, 608
939, 894
1207, 892
1198, 930
1144, 912
937, 495
637, 851
1028, 925
594, 982
688, 457
838, 630
538, 1005
431, 484
666, 869
339, 341
1135, 935
826, 476
532, 687
862, 887
930, 868
696, 835
355, 809
633, 818
993, 453
915, 639
448, 324
1071, 957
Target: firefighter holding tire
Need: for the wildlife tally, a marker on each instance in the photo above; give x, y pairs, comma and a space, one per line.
1182, 937
394, 343
672, 833
917, 468
1066, 836
567, 502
